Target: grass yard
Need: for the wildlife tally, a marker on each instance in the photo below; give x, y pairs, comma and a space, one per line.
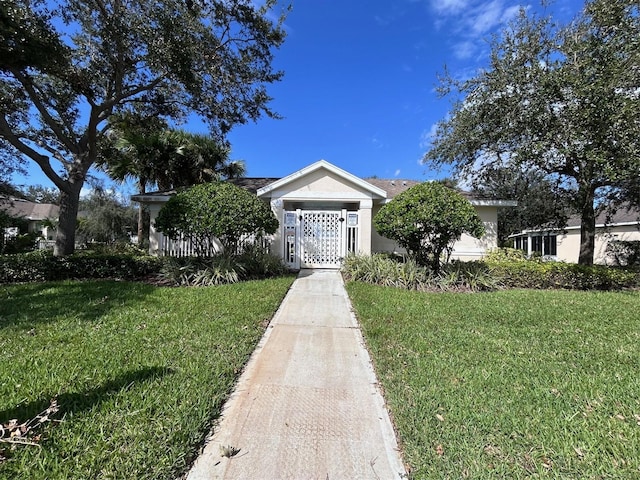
512, 384
140, 371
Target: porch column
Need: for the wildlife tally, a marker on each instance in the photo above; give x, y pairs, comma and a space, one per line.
364, 245
155, 237
277, 245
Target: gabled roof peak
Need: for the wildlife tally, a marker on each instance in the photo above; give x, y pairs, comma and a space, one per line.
320, 165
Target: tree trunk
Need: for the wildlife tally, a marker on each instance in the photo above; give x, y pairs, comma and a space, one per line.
144, 219
587, 226
144, 227
66, 234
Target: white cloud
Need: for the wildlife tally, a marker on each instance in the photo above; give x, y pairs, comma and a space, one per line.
486, 17
450, 7
397, 173
427, 136
469, 21
464, 50
377, 143
512, 12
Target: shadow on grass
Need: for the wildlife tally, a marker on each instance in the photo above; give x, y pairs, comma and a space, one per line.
29, 305
72, 403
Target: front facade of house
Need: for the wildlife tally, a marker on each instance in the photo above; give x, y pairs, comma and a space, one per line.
326, 212
564, 245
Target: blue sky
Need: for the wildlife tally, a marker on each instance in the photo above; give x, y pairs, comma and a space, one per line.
359, 84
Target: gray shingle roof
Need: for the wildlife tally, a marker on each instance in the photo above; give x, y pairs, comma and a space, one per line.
624, 214
31, 211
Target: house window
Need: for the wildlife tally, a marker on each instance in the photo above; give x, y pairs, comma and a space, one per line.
544, 244
550, 245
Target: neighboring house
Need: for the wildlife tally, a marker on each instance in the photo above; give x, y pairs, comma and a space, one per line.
326, 213
39, 216
564, 244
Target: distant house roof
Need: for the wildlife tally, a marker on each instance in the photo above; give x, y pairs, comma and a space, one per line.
253, 184
623, 215
17, 207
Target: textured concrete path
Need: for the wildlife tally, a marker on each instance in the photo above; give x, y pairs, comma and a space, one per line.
307, 406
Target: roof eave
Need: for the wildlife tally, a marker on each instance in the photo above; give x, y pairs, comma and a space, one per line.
142, 198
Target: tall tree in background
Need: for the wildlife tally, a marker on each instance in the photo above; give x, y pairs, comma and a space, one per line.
541, 202
41, 194
560, 99
104, 218
67, 66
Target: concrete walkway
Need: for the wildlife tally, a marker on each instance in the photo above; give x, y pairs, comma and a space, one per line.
307, 406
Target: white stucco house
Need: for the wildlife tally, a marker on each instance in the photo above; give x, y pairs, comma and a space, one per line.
564, 245
326, 212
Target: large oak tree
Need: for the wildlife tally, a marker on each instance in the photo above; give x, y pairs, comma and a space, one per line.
562, 99
67, 66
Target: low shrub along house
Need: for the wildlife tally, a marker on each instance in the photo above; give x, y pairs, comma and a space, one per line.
326, 212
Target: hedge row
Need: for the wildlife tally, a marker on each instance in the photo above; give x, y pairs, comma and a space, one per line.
43, 266
545, 275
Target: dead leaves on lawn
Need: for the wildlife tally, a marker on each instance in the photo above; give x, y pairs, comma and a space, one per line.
26, 433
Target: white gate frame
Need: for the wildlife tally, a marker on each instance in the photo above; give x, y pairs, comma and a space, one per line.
293, 228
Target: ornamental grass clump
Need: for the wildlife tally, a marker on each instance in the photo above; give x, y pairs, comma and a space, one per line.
385, 270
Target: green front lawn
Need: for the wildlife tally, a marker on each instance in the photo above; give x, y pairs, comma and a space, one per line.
140, 372
511, 384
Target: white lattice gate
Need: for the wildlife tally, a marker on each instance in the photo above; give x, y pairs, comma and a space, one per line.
321, 239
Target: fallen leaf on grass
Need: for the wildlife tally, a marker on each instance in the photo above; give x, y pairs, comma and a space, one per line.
440, 417
440, 450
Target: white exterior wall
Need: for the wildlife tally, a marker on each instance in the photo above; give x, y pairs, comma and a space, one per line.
380, 244
569, 243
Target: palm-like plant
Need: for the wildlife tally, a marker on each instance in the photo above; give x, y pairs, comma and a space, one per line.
147, 151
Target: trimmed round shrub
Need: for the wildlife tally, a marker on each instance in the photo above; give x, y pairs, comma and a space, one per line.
214, 211
426, 220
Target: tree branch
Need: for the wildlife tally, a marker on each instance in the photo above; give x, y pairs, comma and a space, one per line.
49, 120
41, 160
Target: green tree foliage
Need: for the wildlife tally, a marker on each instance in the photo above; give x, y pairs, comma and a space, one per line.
41, 194
216, 210
147, 151
562, 99
105, 219
98, 58
154, 155
541, 202
426, 220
